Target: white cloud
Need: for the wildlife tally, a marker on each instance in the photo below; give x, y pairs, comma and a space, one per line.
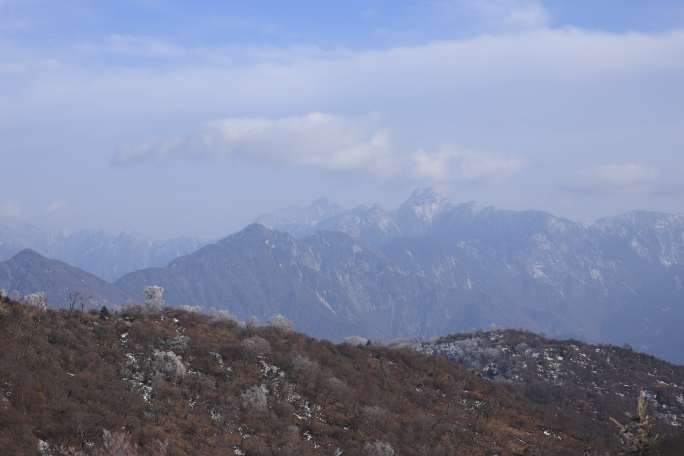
558, 100
316, 140
323, 141
451, 163
617, 178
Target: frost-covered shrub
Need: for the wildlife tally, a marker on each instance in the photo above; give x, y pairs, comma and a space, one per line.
154, 298
281, 323
43, 448
303, 363
179, 343
117, 443
255, 398
336, 384
190, 309
3, 294
168, 364
374, 413
222, 315
256, 346
38, 300
378, 449
355, 341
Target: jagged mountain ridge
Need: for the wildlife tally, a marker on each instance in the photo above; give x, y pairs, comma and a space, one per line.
300, 220
332, 285
369, 222
618, 279
463, 268
104, 254
329, 284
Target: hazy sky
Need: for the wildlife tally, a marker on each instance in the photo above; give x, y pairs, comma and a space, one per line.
170, 117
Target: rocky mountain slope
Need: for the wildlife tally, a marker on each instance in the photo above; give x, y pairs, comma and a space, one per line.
329, 284
106, 255
517, 270
618, 280
593, 381
179, 383
433, 267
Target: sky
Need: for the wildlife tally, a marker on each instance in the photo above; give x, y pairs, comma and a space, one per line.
173, 118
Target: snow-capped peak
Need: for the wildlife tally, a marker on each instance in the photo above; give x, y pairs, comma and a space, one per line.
425, 203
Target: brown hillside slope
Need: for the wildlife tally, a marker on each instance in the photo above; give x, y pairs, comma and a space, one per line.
179, 383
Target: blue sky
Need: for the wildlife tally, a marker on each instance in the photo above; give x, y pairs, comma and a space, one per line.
170, 117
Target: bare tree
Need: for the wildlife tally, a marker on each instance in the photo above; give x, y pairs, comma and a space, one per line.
74, 299
637, 436
38, 300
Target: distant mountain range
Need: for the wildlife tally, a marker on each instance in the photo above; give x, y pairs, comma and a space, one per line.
106, 255
620, 279
433, 267
300, 221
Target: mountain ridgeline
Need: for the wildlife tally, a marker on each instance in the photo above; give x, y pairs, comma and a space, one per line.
28, 272
106, 255
433, 267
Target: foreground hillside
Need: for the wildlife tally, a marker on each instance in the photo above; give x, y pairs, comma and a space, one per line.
588, 381
182, 383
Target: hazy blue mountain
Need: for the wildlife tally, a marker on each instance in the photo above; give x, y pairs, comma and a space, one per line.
106, 255
369, 222
432, 266
373, 224
329, 284
298, 220
16, 236
112, 255
29, 272
417, 214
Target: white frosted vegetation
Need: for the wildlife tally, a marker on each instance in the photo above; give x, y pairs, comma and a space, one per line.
378, 449
154, 298
38, 300
282, 323
355, 341
255, 398
168, 363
